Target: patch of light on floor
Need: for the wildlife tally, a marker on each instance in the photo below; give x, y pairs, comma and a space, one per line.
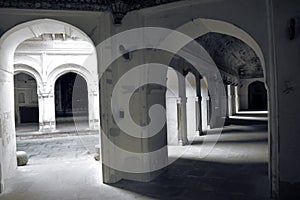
252, 112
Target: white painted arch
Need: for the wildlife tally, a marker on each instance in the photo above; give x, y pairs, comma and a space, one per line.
72, 67
27, 69
200, 26
92, 87
8, 44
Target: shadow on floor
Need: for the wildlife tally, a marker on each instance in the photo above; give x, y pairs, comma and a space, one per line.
194, 179
189, 178
232, 141
229, 121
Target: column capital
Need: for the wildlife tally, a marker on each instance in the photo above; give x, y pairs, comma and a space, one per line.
198, 98
178, 100
181, 99
45, 95
183, 142
93, 93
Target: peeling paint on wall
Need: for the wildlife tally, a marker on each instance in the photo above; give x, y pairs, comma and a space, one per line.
4, 121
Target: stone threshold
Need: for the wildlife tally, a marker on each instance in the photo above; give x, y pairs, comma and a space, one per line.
55, 133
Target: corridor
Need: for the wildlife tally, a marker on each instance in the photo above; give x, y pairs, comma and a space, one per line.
236, 168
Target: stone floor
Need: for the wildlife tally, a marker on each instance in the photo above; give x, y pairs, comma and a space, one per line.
64, 169
62, 126
236, 168
59, 148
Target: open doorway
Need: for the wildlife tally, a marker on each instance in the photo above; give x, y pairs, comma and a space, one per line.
26, 102
57, 92
71, 100
36, 63
257, 95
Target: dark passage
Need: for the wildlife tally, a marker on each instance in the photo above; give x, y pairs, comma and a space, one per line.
71, 99
257, 96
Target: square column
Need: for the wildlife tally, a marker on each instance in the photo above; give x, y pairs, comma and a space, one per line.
46, 103
204, 106
229, 100
181, 109
94, 119
234, 99
198, 105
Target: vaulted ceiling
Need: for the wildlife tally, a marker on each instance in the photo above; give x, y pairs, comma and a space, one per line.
232, 55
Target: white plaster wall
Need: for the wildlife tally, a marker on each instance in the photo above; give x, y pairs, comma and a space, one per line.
190, 106
8, 161
141, 101
171, 107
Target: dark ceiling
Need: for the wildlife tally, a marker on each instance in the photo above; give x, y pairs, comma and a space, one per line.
89, 5
232, 55
119, 8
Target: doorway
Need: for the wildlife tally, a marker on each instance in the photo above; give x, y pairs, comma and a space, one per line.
257, 96
26, 101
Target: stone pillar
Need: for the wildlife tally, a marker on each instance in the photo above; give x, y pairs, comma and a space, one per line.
94, 121
204, 105
223, 106
46, 103
229, 100
233, 100
226, 99
198, 100
8, 163
219, 104
181, 109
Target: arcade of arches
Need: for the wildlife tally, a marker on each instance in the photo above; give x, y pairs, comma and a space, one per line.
60, 93
58, 101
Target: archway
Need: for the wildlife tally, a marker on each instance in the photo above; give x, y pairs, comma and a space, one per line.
199, 27
257, 96
71, 99
223, 154
9, 42
85, 76
26, 100
174, 102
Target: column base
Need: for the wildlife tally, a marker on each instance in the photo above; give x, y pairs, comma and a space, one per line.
112, 176
200, 133
47, 126
94, 124
183, 142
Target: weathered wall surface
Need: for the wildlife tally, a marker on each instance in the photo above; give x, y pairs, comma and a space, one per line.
287, 62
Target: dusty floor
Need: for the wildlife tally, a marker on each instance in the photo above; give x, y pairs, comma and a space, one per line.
64, 169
